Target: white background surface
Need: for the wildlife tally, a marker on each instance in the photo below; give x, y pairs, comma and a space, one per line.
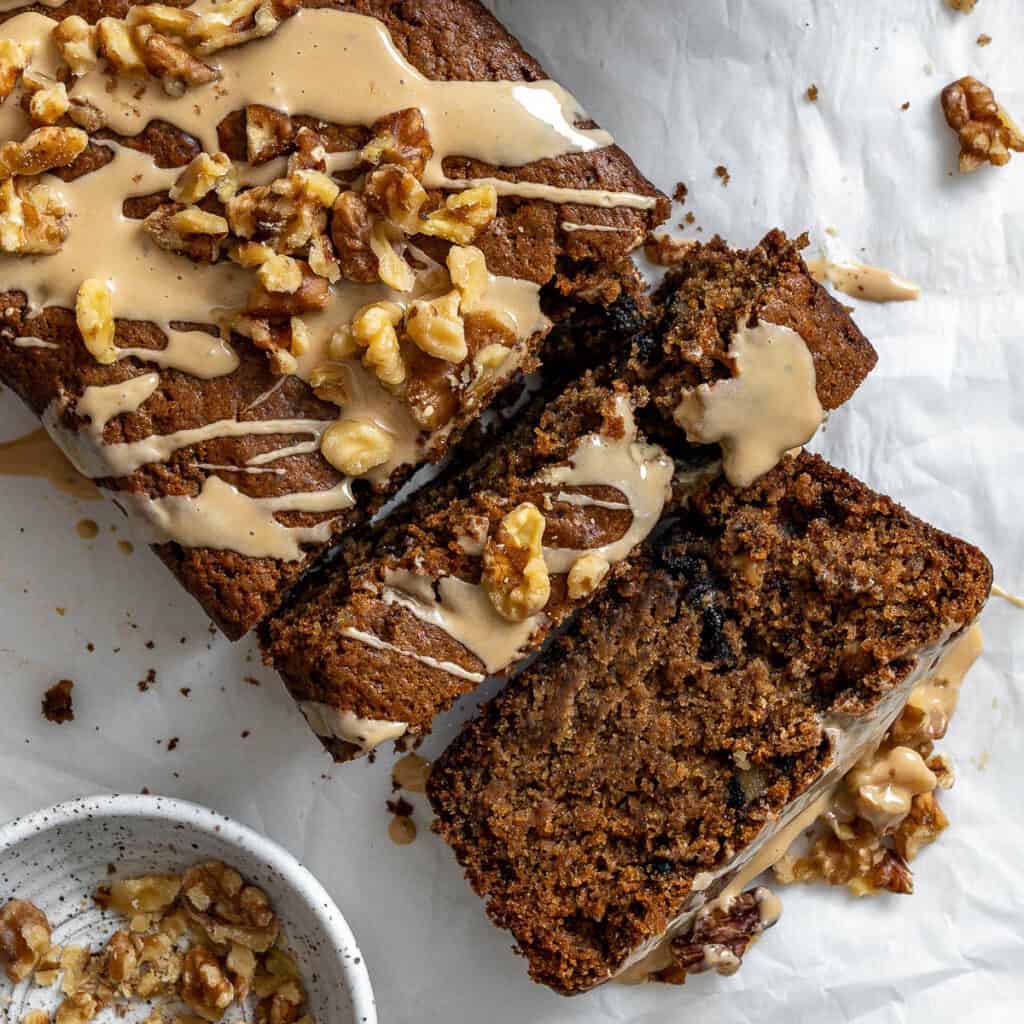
940, 425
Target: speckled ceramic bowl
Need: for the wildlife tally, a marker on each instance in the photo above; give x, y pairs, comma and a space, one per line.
57, 857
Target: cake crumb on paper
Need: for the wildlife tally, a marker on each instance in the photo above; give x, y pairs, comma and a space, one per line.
58, 704
812, 93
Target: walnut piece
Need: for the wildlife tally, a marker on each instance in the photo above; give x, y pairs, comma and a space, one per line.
49, 104
436, 327
286, 214
174, 65
351, 232
373, 330
24, 938
330, 383
227, 908
311, 293
235, 22
117, 44
515, 575
354, 447
75, 38
151, 894
77, 1009
925, 822
94, 314
283, 1006
43, 150
203, 986
322, 260
205, 174
463, 216
586, 575
280, 274
467, 267
14, 58
188, 230
396, 194
391, 266
402, 139
986, 131
268, 133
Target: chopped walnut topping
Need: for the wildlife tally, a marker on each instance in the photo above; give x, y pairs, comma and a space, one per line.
36, 1017
48, 968
586, 575
189, 230
75, 38
74, 961
283, 1006
176, 68
351, 231
322, 260
228, 909
396, 195
986, 131
287, 214
354, 447
218, 29
203, 175
463, 216
311, 293
437, 328
268, 133
49, 103
251, 255
301, 338
43, 150
203, 986
400, 138
241, 968
515, 576
330, 383
24, 938
94, 313
373, 329
175, 21
14, 59
280, 274
468, 269
116, 42
391, 267
310, 154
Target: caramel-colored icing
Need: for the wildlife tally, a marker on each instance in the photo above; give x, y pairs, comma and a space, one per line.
863, 281
938, 694
769, 406
1005, 595
317, 63
410, 773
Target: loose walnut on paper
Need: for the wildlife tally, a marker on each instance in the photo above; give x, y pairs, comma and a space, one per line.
986, 131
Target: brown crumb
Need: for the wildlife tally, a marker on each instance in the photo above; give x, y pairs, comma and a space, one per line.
251, 680
400, 807
984, 39
150, 680
246, 733
964, 6
60, 611
905, 106
666, 251
172, 743
812, 93
689, 218
723, 173
681, 192
90, 647
57, 703
150, 644
185, 691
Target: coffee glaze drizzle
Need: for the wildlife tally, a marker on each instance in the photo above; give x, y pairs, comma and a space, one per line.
313, 64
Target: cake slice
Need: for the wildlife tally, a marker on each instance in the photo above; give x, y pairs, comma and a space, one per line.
251, 304
467, 582
629, 786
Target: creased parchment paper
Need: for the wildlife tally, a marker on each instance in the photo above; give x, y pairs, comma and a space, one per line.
684, 86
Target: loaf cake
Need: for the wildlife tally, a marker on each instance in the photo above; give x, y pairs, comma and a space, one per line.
469, 580
625, 790
249, 295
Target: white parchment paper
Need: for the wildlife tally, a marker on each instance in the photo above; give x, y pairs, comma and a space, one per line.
685, 86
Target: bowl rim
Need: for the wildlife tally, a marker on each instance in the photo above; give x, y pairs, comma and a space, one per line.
206, 820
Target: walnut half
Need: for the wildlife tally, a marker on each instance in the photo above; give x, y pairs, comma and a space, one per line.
986, 131
24, 938
515, 576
